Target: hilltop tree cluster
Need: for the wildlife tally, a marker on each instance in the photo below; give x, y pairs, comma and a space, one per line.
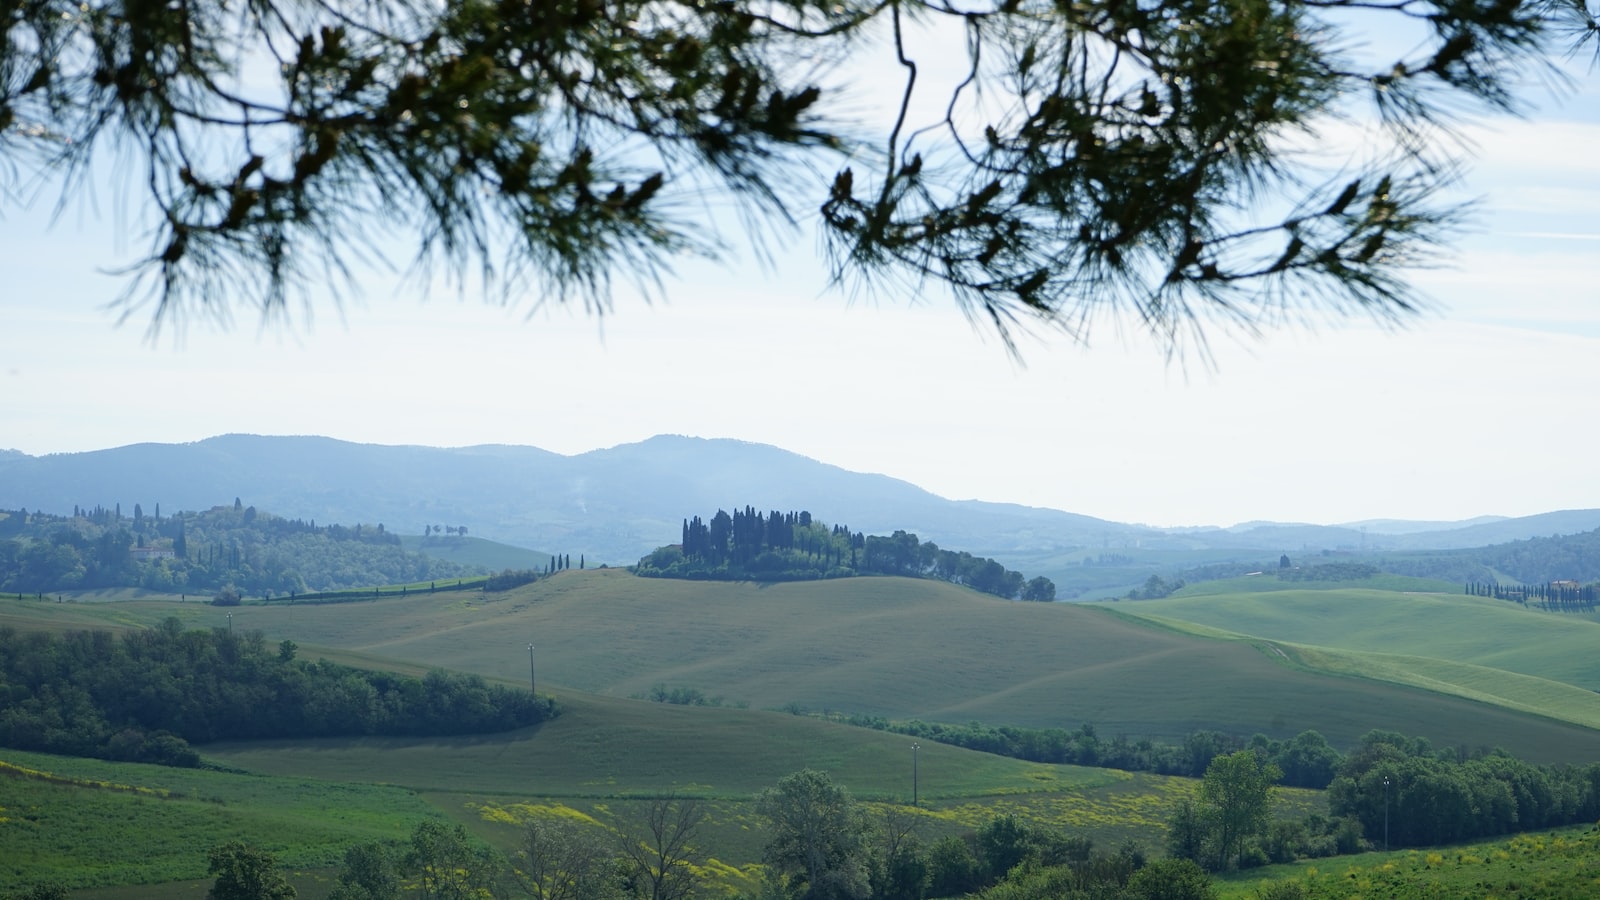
193, 552
1334, 571
146, 696
794, 546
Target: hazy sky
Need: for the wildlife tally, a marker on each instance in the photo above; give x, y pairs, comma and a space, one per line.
1485, 406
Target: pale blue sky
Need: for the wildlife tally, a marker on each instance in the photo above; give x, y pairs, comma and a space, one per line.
1484, 406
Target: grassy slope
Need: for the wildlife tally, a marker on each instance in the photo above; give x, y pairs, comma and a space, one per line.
885, 646
316, 797
603, 753
95, 823
1552, 865
1475, 630
1267, 581
846, 645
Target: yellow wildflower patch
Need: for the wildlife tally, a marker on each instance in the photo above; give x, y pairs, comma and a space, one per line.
522, 813
16, 771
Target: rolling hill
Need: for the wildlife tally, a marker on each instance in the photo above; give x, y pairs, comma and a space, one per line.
890, 647
1334, 660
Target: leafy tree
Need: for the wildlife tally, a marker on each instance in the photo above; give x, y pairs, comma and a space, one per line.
448, 864
816, 837
1002, 843
952, 868
1307, 760
1040, 588
1201, 747
246, 873
1188, 833
1170, 879
1155, 587
1091, 156
1092, 877
369, 874
899, 868
1236, 790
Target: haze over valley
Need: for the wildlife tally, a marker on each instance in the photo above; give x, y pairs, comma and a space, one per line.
616, 505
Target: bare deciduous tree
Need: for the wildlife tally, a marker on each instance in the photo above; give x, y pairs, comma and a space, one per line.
561, 861
660, 847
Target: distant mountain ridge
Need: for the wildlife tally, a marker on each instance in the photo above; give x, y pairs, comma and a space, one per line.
618, 503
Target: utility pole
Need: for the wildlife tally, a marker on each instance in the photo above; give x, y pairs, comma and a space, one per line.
914, 748
533, 681
1386, 814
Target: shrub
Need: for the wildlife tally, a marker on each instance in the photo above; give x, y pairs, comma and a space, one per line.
1281, 890
1253, 857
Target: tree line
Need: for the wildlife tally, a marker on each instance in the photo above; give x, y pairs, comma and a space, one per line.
1555, 596
234, 546
1449, 794
819, 843
147, 695
1443, 796
1389, 791
1540, 560
1306, 760
793, 546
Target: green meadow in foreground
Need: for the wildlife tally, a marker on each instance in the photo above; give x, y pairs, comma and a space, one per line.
1553, 865
88, 823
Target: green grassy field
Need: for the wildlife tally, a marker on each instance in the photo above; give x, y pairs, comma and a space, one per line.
1267, 581
1476, 630
609, 747
1342, 661
1553, 865
1470, 647
903, 648
89, 823
602, 755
